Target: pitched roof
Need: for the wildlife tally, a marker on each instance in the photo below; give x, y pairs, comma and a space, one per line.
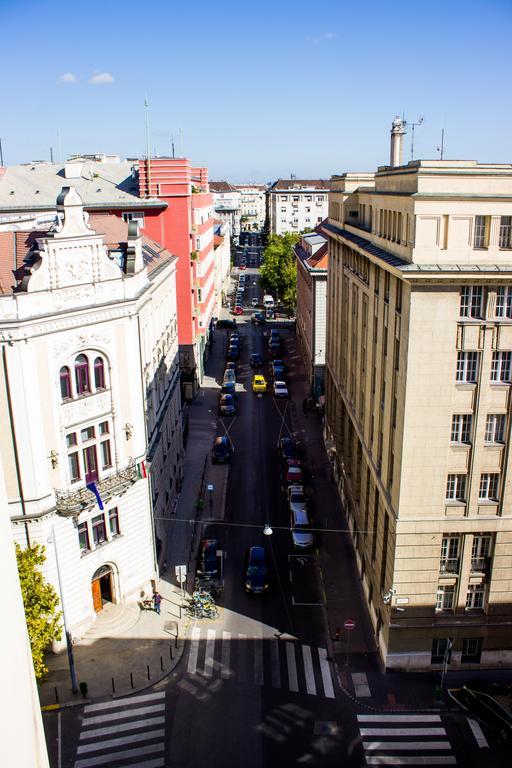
36, 186
221, 186
154, 254
300, 185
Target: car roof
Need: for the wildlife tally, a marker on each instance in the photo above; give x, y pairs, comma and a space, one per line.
257, 553
280, 384
296, 489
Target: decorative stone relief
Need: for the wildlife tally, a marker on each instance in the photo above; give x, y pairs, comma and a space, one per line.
85, 408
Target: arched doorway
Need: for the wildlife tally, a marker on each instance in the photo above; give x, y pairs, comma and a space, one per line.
102, 587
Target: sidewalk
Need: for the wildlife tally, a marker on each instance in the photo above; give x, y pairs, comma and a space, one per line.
128, 649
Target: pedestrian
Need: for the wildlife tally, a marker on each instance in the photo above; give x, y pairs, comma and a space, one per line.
305, 406
157, 599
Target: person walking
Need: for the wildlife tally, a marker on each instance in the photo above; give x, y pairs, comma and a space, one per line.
157, 599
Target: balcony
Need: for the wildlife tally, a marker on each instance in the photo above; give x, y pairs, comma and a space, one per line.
449, 565
72, 503
480, 564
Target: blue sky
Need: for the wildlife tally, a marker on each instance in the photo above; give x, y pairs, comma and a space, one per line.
259, 90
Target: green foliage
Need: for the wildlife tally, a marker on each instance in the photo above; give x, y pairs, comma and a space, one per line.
278, 272
41, 605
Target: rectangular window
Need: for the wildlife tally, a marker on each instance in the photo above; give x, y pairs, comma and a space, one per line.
471, 301
495, 428
475, 597
506, 232
445, 597
481, 553
387, 282
449, 561
504, 301
74, 467
467, 367
471, 650
83, 537
87, 434
398, 306
489, 484
106, 457
480, 239
456, 488
99, 531
441, 650
113, 522
90, 464
71, 440
501, 367
104, 428
461, 428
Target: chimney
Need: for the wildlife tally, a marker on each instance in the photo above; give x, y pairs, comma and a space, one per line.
397, 131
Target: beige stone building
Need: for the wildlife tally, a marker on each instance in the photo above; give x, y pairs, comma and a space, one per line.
418, 402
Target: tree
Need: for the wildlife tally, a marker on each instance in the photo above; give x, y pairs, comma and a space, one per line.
279, 270
41, 605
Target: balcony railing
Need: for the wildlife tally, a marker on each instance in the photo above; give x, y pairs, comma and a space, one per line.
449, 565
72, 503
480, 564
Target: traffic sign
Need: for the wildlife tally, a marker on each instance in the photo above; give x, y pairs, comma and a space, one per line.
349, 624
181, 573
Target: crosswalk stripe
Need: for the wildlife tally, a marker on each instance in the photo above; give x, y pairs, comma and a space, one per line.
399, 718
292, 668
477, 733
258, 661
274, 661
90, 762
405, 746
194, 650
122, 702
148, 722
107, 744
210, 652
108, 717
226, 652
326, 673
410, 760
402, 732
308, 669
242, 657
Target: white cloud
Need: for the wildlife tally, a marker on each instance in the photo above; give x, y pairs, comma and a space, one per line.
67, 77
101, 78
325, 36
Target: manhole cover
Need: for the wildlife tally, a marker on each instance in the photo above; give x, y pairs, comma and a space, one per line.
326, 728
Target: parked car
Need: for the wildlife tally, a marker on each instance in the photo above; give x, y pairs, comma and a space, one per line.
227, 405
226, 323
208, 562
229, 375
256, 578
274, 349
288, 448
232, 366
278, 362
233, 352
229, 388
277, 372
238, 310
243, 265
300, 524
280, 389
254, 301
292, 472
222, 450
258, 318
274, 333
259, 383
256, 360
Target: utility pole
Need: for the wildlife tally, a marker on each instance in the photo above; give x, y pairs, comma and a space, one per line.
51, 155
441, 148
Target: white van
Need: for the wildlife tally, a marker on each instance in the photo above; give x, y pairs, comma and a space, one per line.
268, 301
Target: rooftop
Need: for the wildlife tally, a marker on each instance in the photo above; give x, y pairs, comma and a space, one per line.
300, 185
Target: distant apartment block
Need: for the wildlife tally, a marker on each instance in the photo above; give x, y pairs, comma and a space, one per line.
253, 207
294, 205
227, 203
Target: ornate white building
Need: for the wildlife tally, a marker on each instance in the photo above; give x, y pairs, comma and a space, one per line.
88, 392
253, 207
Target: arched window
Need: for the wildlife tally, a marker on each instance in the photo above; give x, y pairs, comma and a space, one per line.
99, 373
65, 383
83, 382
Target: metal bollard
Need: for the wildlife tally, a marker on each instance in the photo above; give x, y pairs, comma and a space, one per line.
131, 679
162, 663
147, 667
56, 695
113, 686
170, 651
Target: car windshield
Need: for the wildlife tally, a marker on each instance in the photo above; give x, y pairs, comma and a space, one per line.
297, 498
304, 527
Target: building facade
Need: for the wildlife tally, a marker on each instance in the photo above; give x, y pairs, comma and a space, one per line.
311, 312
252, 207
227, 203
418, 403
222, 255
90, 402
294, 205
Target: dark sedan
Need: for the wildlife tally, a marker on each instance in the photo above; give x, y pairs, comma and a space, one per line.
227, 405
256, 360
256, 578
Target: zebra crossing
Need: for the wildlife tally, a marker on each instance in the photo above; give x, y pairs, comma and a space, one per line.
128, 731
279, 663
405, 740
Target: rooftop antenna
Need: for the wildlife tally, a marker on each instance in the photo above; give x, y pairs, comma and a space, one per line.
181, 143
412, 127
51, 155
1, 154
172, 144
148, 163
441, 148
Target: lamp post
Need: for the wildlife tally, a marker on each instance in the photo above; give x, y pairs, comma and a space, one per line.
74, 684
210, 498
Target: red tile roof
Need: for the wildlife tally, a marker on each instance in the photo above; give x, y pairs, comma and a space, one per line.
222, 186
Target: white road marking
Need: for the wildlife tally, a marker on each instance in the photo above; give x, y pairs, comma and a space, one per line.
89, 762
226, 653
477, 733
411, 760
149, 722
258, 661
136, 738
242, 657
405, 746
325, 669
121, 702
274, 660
293, 682
194, 650
210, 651
108, 717
308, 670
402, 732
399, 718
361, 687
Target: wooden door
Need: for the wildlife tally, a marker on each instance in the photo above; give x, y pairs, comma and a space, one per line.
96, 595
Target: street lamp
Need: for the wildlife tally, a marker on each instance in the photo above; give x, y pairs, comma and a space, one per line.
267, 530
209, 488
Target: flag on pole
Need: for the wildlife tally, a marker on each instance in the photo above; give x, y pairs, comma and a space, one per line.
141, 470
94, 489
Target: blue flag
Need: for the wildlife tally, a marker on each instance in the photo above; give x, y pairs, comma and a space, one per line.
94, 489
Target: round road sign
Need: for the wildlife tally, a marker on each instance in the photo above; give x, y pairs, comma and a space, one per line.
349, 624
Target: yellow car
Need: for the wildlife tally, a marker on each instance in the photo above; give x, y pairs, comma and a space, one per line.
258, 383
